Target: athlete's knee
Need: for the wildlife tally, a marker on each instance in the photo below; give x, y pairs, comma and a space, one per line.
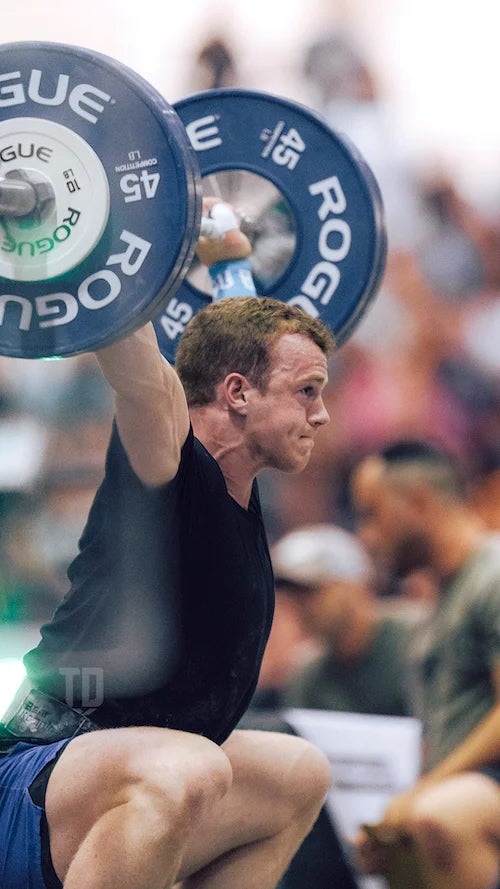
170, 773
186, 777
306, 774
312, 774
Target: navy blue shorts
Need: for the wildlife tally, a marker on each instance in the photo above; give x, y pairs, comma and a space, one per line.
21, 819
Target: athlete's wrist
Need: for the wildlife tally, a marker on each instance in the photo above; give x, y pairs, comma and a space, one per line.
232, 277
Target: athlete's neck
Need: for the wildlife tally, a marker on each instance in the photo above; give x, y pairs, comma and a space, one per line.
225, 441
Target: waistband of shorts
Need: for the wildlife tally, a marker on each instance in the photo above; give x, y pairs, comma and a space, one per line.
37, 718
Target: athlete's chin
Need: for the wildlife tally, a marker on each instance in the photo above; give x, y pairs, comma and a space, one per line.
293, 464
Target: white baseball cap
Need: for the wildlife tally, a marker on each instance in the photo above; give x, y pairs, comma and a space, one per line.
314, 554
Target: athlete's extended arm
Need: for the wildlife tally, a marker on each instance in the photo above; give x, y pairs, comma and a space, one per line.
151, 409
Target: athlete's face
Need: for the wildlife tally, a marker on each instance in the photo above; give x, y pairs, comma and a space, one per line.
282, 421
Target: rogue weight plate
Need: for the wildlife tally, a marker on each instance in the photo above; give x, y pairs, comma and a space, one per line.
119, 200
326, 198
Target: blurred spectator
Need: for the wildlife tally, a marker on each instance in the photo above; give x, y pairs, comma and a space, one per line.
481, 332
25, 594
485, 486
344, 88
357, 663
412, 501
53, 436
450, 253
63, 391
214, 66
362, 665
290, 646
40, 533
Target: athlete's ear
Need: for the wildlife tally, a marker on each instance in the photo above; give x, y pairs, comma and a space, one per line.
234, 392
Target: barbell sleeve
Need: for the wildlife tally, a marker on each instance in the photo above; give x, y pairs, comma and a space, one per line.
18, 198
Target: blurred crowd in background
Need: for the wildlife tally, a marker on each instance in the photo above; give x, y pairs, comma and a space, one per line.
423, 363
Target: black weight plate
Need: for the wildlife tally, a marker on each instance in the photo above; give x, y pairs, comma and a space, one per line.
60, 104
336, 210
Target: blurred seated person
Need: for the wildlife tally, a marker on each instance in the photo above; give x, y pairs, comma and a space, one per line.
485, 487
361, 668
290, 646
330, 629
412, 496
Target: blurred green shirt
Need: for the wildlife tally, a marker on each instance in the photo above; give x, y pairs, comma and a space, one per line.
453, 653
374, 683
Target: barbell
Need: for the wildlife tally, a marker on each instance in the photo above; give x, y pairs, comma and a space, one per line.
101, 187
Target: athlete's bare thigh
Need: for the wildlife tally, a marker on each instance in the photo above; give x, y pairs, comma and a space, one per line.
101, 770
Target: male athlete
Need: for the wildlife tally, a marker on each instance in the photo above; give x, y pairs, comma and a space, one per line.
139, 781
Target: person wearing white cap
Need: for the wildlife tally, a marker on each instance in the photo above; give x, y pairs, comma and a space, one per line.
362, 664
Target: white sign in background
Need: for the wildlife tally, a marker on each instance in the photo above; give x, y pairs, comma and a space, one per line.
372, 758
